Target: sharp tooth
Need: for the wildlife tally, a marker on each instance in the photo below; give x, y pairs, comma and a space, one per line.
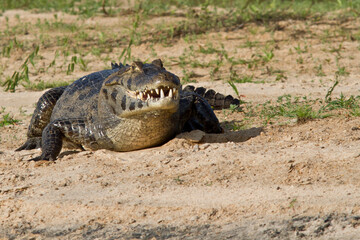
148, 96
141, 95
162, 95
170, 93
157, 91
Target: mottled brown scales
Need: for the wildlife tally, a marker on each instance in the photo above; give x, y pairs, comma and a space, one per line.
122, 109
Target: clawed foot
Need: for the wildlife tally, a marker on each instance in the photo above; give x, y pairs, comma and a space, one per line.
43, 157
31, 143
36, 159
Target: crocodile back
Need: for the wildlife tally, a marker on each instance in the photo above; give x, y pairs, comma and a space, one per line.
79, 100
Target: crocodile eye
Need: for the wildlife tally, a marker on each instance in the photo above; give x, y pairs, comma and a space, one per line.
137, 67
116, 78
113, 79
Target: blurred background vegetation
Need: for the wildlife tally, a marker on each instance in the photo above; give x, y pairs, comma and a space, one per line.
34, 51
248, 9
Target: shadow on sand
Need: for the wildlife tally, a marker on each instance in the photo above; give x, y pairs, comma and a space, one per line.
198, 136
235, 136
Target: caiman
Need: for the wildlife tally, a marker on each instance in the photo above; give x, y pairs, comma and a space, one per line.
122, 109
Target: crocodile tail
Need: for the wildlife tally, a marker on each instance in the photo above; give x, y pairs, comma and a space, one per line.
116, 65
216, 100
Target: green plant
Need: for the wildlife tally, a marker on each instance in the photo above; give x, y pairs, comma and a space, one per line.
336, 49
300, 50
243, 79
287, 106
236, 125
280, 77
125, 55
12, 82
300, 60
53, 62
342, 71
76, 60
7, 119
233, 86
250, 44
210, 49
292, 203
351, 103
268, 55
178, 180
96, 51
14, 43
319, 71
235, 78
343, 102
330, 90
45, 85
187, 76
355, 111
304, 113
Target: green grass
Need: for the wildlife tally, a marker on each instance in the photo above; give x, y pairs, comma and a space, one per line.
342, 71
125, 55
87, 8
206, 17
76, 60
23, 75
319, 71
210, 49
254, 5
46, 25
250, 44
197, 17
301, 109
6, 119
44, 85
10, 46
300, 50
178, 180
350, 103
290, 107
243, 79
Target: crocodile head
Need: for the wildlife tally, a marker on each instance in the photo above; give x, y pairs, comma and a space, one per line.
141, 88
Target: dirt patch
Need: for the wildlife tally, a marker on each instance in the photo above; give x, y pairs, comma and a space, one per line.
291, 181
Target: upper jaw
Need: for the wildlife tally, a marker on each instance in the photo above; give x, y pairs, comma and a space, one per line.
155, 94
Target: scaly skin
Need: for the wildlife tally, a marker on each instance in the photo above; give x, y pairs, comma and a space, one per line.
122, 109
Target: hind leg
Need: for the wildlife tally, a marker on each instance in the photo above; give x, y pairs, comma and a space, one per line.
196, 113
41, 118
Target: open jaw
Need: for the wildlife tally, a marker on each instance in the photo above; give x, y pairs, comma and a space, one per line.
155, 94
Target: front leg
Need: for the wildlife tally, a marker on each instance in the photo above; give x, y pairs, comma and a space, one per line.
196, 113
75, 130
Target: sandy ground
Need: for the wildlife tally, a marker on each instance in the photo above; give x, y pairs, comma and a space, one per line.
276, 181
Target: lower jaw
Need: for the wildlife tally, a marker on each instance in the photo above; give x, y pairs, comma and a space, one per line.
168, 107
